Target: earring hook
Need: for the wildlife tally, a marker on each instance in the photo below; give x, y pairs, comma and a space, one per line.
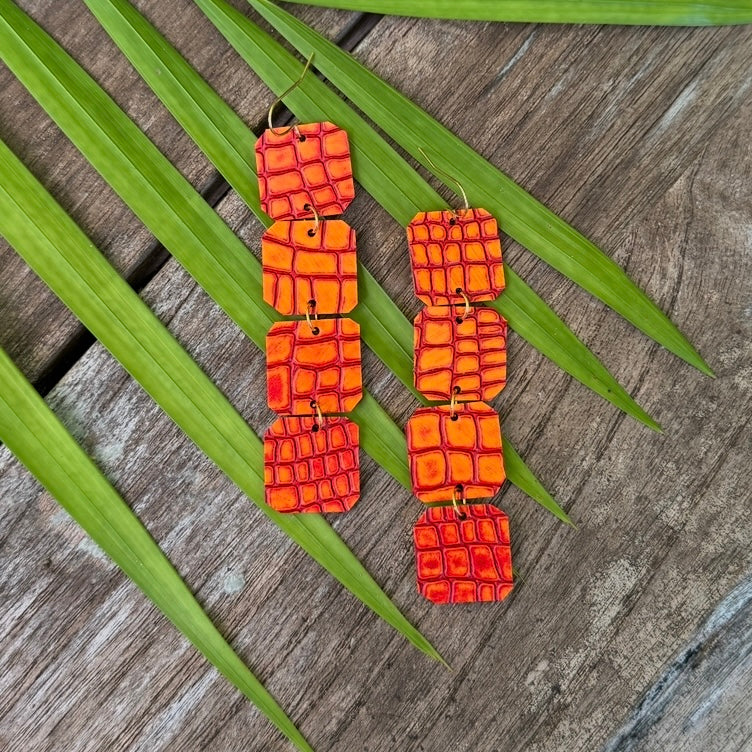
292, 87
448, 176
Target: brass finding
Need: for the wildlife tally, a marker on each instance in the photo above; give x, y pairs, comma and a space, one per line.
467, 303
319, 414
453, 403
437, 169
316, 217
309, 308
455, 490
284, 131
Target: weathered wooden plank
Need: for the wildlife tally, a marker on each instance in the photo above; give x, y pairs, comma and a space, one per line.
650, 159
36, 329
701, 701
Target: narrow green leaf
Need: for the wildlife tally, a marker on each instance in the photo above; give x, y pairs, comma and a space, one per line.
227, 141
527, 482
34, 434
56, 249
403, 193
624, 12
520, 215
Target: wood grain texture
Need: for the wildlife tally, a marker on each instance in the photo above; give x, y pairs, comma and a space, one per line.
702, 698
639, 137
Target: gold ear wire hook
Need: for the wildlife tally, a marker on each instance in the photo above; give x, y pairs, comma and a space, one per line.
282, 96
448, 177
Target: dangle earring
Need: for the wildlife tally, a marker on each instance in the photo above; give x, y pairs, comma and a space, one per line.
313, 368
462, 549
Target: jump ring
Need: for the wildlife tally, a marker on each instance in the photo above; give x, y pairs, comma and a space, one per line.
312, 307
455, 491
460, 291
317, 218
319, 414
453, 403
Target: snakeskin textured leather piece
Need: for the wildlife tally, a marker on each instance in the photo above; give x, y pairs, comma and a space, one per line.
457, 352
304, 266
455, 453
463, 555
455, 252
307, 166
310, 467
319, 364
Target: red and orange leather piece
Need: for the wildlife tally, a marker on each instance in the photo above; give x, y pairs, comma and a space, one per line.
311, 465
306, 166
313, 365
463, 554
454, 253
460, 353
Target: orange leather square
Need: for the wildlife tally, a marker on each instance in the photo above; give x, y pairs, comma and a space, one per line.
463, 555
311, 466
309, 269
309, 166
454, 351
455, 454
317, 364
455, 253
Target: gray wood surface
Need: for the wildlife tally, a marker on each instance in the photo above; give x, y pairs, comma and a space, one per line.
631, 633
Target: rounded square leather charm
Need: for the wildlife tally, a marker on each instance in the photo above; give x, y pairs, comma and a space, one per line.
454, 253
463, 555
311, 466
455, 455
308, 269
316, 364
454, 351
309, 166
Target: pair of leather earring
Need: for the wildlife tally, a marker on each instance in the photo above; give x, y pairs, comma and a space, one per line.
314, 366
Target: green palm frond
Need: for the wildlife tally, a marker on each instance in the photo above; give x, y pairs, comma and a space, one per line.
624, 12
34, 434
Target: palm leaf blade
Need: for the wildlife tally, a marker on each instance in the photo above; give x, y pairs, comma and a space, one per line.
33, 433
625, 12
